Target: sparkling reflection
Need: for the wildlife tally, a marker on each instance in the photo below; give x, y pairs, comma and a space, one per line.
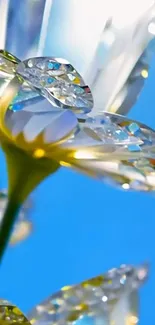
114, 149
101, 300
10, 314
59, 82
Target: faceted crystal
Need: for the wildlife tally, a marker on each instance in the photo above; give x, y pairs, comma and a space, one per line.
23, 226
59, 82
114, 149
122, 46
110, 298
111, 130
10, 314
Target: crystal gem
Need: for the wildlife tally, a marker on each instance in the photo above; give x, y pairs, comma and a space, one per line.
105, 299
60, 83
10, 314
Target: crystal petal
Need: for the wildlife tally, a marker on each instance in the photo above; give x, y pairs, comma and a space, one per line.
122, 59
26, 96
59, 82
54, 125
113, 148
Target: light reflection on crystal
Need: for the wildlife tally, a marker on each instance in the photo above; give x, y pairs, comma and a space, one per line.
7, 64
107, 146
99, 149
151, 28
26, 95
25, 98
126, 57
60, 83
99, 300
111, 129
128, 94
53, 125
23, 226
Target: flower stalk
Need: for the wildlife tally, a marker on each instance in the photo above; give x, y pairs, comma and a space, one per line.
24, 174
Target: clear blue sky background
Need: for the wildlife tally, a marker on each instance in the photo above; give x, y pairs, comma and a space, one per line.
82, 228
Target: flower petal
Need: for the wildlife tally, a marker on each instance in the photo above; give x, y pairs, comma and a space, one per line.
112, 147
54, 126
59, 82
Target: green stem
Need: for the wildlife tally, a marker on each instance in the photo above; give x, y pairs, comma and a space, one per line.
7, 223
24, 174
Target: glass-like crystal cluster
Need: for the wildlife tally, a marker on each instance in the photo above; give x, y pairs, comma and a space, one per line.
10, 314
57, 114
107, 146
111, 298
59, 82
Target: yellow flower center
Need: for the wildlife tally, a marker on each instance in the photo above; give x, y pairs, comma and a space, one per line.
39, 153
